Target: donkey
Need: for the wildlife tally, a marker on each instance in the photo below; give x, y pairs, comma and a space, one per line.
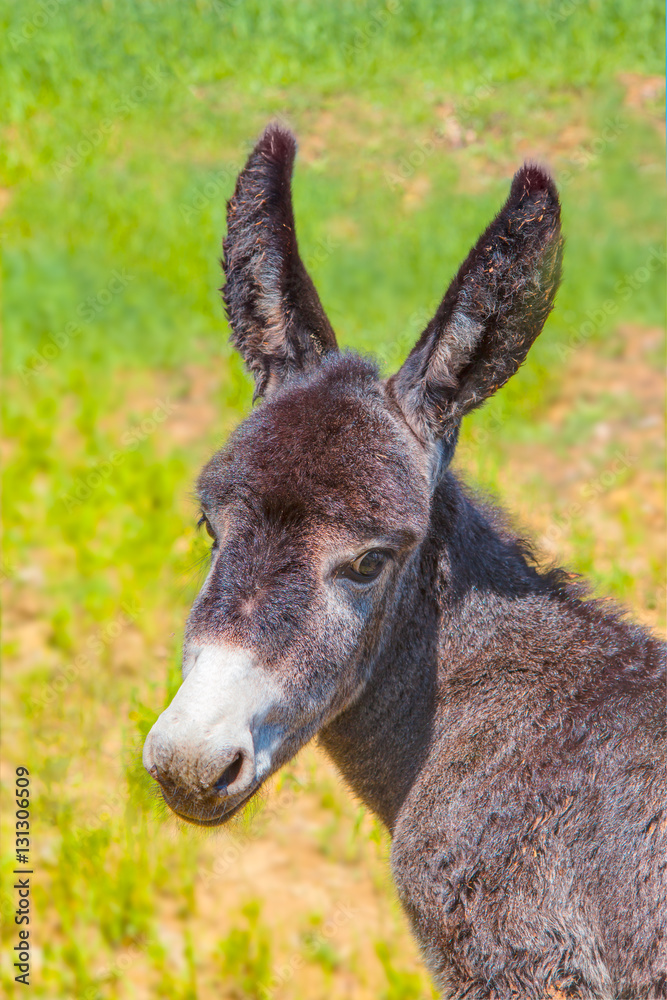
509, 731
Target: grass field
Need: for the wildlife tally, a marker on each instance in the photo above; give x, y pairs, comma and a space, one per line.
124, 126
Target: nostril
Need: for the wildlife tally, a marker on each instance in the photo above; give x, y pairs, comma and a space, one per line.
162, 779
230, 774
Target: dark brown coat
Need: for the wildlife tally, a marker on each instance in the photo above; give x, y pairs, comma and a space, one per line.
508, 731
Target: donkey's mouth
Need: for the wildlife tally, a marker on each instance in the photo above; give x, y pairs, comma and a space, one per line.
218, 819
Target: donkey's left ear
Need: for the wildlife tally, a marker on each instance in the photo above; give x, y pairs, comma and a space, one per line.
491, 314
278, 323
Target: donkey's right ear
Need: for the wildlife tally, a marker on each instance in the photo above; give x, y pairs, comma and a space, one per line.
277, 321
492, 312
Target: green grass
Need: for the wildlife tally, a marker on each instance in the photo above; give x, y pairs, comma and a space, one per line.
245, 955
124, 126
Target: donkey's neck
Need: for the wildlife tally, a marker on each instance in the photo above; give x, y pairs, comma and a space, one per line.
466, 563
381, 742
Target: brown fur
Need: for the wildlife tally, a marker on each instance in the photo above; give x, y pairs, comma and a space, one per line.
508, 731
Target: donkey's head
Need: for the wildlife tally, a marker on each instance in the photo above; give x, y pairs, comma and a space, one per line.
319, 503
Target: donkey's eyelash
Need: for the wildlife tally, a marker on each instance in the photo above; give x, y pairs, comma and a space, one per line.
204, 522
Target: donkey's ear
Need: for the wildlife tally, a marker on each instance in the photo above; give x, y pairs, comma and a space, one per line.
492, 312
277, 321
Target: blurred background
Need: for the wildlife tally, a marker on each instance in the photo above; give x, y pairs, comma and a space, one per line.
125, 123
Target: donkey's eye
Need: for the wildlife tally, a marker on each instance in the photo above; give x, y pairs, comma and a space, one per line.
366, 567
204, 522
